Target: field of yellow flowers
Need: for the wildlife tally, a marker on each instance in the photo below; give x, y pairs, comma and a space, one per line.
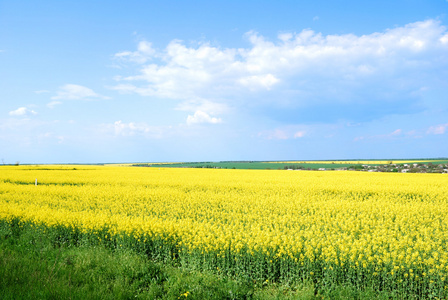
367, 230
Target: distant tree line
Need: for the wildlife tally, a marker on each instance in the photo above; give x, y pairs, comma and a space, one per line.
293, 167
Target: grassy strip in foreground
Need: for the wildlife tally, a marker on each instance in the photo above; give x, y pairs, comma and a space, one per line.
34, 265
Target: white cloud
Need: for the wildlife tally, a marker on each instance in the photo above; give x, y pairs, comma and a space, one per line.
41, 92
202, 117
120, 129
318, 66
76, 92
299, 134
285, 133
22, 111
276, 134
395, 133
206, 106
126, 88
52, 104
438, 129
256, 82
392, 135
144, 53
444, 39
135, 129
51, 136
285, 37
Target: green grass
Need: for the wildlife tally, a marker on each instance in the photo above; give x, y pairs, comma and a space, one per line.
247, 165
258, 165
37, 265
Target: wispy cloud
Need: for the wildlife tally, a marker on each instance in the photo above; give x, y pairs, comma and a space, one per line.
438, 129
282, 134
394, 134
22, 111
144, 53
52, 104
51, 136
135, 129
76, 92
41, 92
299, 134
276, 134
207, 106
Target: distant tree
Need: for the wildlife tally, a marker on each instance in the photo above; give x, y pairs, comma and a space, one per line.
356, 167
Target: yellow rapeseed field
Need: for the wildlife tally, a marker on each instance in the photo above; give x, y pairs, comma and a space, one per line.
383, 230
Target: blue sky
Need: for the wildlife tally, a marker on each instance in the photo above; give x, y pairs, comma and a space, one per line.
145, 81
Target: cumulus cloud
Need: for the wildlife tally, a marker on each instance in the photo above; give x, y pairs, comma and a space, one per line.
259, 81
22, 111
76, 92
438, 129
444, 39
202, 117
307, 63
